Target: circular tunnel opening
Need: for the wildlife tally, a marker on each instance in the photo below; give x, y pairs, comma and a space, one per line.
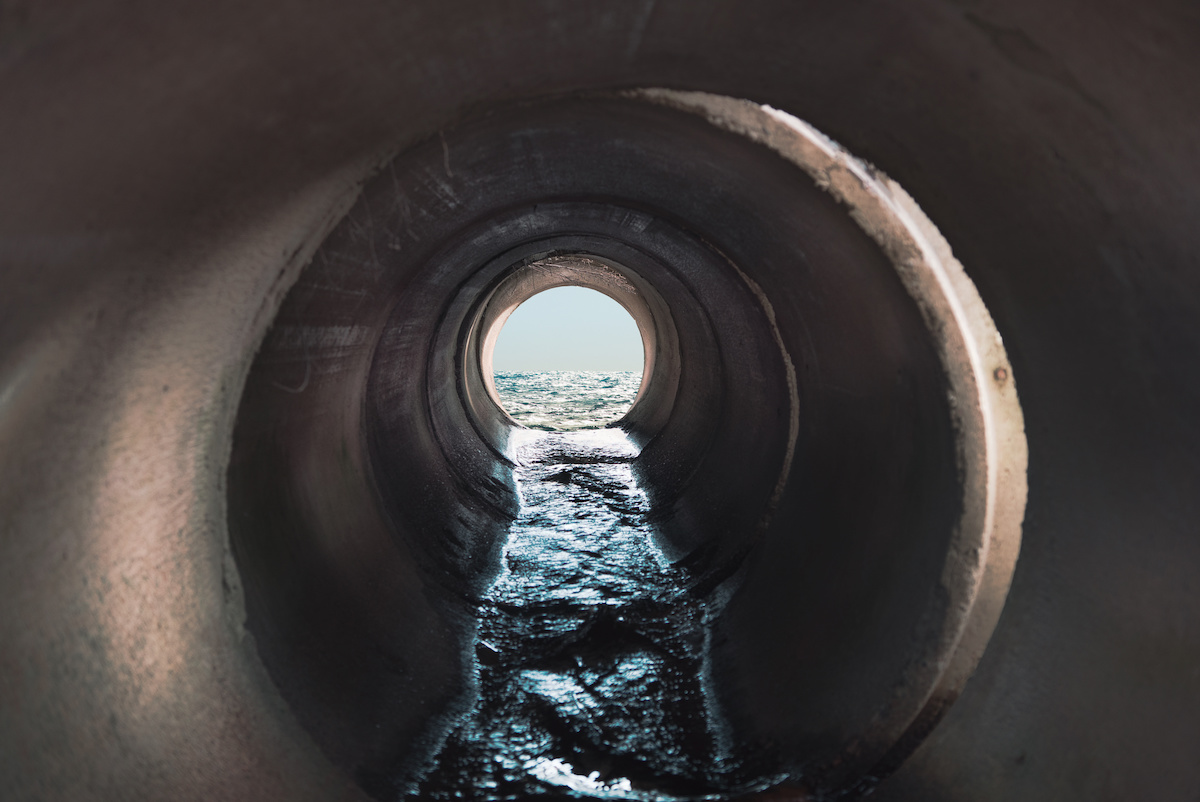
831, 471
566, 358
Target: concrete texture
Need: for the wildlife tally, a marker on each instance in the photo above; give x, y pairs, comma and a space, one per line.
168, 170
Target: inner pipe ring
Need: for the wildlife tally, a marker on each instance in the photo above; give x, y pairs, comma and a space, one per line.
572, 270
825, 442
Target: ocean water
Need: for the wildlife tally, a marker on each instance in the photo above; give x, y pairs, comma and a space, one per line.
567, 400
591, 659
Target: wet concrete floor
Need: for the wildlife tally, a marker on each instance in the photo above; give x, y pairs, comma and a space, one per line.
591, 652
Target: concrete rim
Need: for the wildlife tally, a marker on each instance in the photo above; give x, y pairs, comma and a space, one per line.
992, 450
723, 466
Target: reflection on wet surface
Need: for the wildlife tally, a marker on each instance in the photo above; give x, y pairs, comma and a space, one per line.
591, 652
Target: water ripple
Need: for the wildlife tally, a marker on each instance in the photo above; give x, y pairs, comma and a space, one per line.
591, 654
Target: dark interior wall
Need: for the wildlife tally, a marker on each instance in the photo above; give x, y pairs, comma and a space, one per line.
169, 169
402, 284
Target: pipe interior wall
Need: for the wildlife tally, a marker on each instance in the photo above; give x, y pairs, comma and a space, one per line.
171, 173
766, 282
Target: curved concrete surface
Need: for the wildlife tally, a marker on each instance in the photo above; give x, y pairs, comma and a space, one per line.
230, 576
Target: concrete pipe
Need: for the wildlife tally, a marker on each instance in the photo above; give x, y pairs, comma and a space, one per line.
255, 473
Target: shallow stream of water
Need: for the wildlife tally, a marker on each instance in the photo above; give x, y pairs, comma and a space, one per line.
591, 651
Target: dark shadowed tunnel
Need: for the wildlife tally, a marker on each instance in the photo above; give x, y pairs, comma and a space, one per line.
918, 290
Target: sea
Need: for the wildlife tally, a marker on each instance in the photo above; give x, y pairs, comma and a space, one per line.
591, 655
567, 400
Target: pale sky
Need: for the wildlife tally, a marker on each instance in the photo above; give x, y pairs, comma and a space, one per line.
568, 328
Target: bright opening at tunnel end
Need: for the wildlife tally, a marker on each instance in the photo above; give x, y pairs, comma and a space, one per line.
568, 358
